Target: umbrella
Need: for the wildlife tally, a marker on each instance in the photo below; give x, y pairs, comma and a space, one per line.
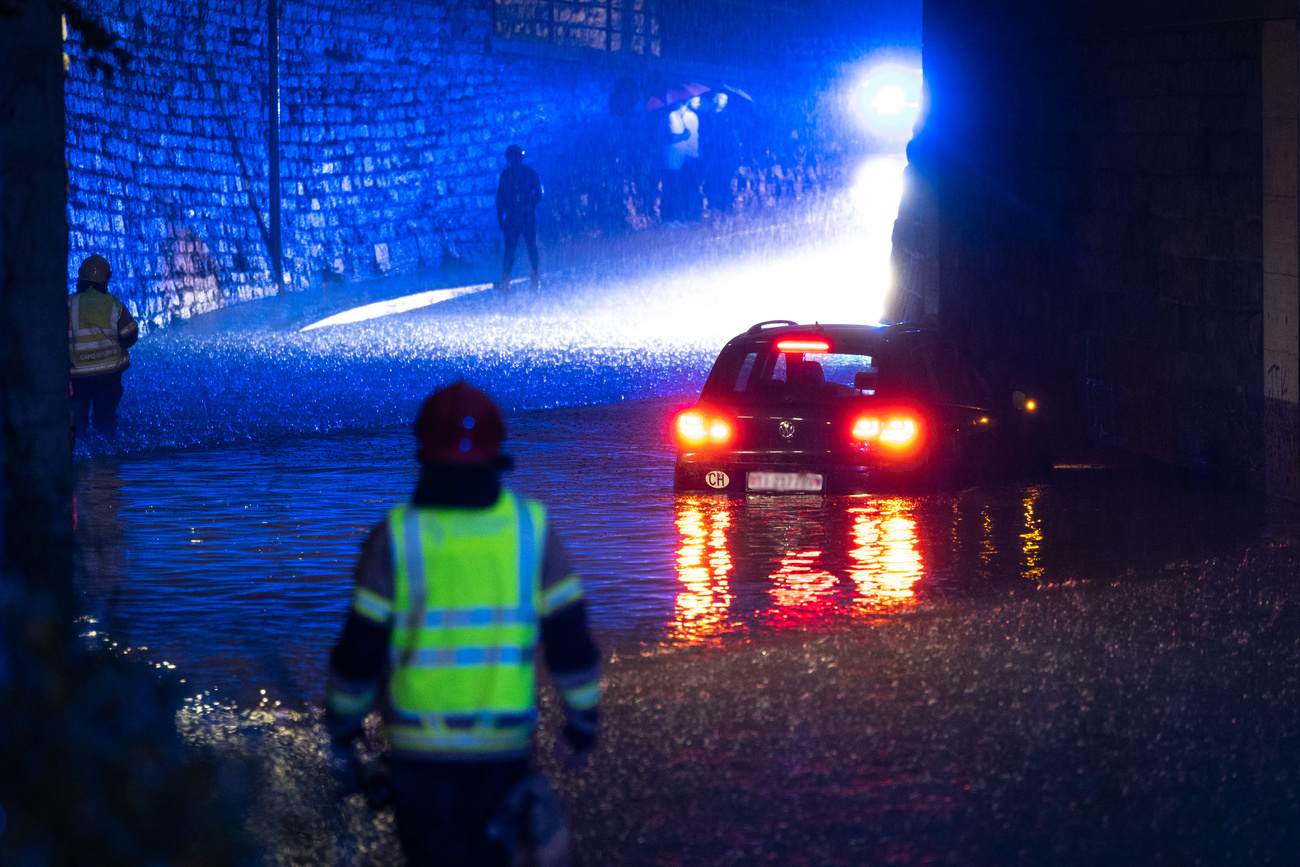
679, 93
736, 91
739, 103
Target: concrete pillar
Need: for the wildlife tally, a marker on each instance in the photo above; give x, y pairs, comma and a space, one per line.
1280, 97
37, 478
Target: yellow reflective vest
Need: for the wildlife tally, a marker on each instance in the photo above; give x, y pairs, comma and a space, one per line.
100, 328
466, 594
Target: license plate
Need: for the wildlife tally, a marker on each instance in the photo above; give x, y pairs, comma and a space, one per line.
782, 482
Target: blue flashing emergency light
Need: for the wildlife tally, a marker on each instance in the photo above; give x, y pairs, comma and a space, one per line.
889, 101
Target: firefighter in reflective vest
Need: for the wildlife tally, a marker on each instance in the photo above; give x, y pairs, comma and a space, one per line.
100, 331
454, 591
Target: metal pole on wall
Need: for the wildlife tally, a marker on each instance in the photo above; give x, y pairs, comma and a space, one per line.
273, 140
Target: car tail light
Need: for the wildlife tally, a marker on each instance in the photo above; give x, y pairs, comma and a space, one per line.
803, 345
698, 428
866, 429
897, 431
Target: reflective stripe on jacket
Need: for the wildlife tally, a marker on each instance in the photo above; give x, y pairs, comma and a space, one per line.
466, 599
99, 330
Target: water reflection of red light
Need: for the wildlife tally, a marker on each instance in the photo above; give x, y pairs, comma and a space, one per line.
886, 562
870, 572
801, 591
703, 562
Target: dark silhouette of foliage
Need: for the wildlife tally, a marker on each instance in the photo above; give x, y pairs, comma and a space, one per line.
95, 770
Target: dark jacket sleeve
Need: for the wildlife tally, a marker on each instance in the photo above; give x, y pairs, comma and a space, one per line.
128, 330
536, 190
359, 660
571, 655
502, 192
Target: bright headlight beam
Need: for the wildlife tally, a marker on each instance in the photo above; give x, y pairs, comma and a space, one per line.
396, 305
890, 99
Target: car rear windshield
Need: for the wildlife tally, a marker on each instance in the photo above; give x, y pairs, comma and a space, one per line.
760, 374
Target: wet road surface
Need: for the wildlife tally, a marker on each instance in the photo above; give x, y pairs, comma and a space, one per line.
1150, 722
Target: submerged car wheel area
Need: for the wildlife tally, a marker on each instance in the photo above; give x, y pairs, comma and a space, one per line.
791, 408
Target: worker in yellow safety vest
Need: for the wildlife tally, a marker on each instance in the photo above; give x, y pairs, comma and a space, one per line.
454, 592
100, 331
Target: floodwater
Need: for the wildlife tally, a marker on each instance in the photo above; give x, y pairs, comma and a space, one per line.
233, 564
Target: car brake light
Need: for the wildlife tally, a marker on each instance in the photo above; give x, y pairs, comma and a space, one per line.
694, 427
866, 429
803, 346
896, 431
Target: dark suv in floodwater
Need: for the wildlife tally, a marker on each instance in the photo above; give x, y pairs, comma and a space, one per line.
842, 408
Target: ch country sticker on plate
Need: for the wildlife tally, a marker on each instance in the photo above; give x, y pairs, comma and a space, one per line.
782, 482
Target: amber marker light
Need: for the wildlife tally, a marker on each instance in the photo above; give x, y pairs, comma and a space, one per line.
1020, 401
803, 346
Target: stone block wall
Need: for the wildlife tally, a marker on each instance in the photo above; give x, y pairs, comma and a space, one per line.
393, 121
394, 124
167, 157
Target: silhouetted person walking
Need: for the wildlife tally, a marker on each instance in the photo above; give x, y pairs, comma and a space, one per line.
518, 194
100, 331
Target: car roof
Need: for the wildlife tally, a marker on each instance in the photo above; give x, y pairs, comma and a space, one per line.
842, 337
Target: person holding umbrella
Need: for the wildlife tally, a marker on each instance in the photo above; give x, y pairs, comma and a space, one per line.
679, 145
692, 195
719, 151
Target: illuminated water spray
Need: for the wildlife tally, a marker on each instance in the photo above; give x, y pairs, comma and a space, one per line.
839, 273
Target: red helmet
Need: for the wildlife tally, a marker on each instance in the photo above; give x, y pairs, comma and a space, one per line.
95, 269
459, 425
